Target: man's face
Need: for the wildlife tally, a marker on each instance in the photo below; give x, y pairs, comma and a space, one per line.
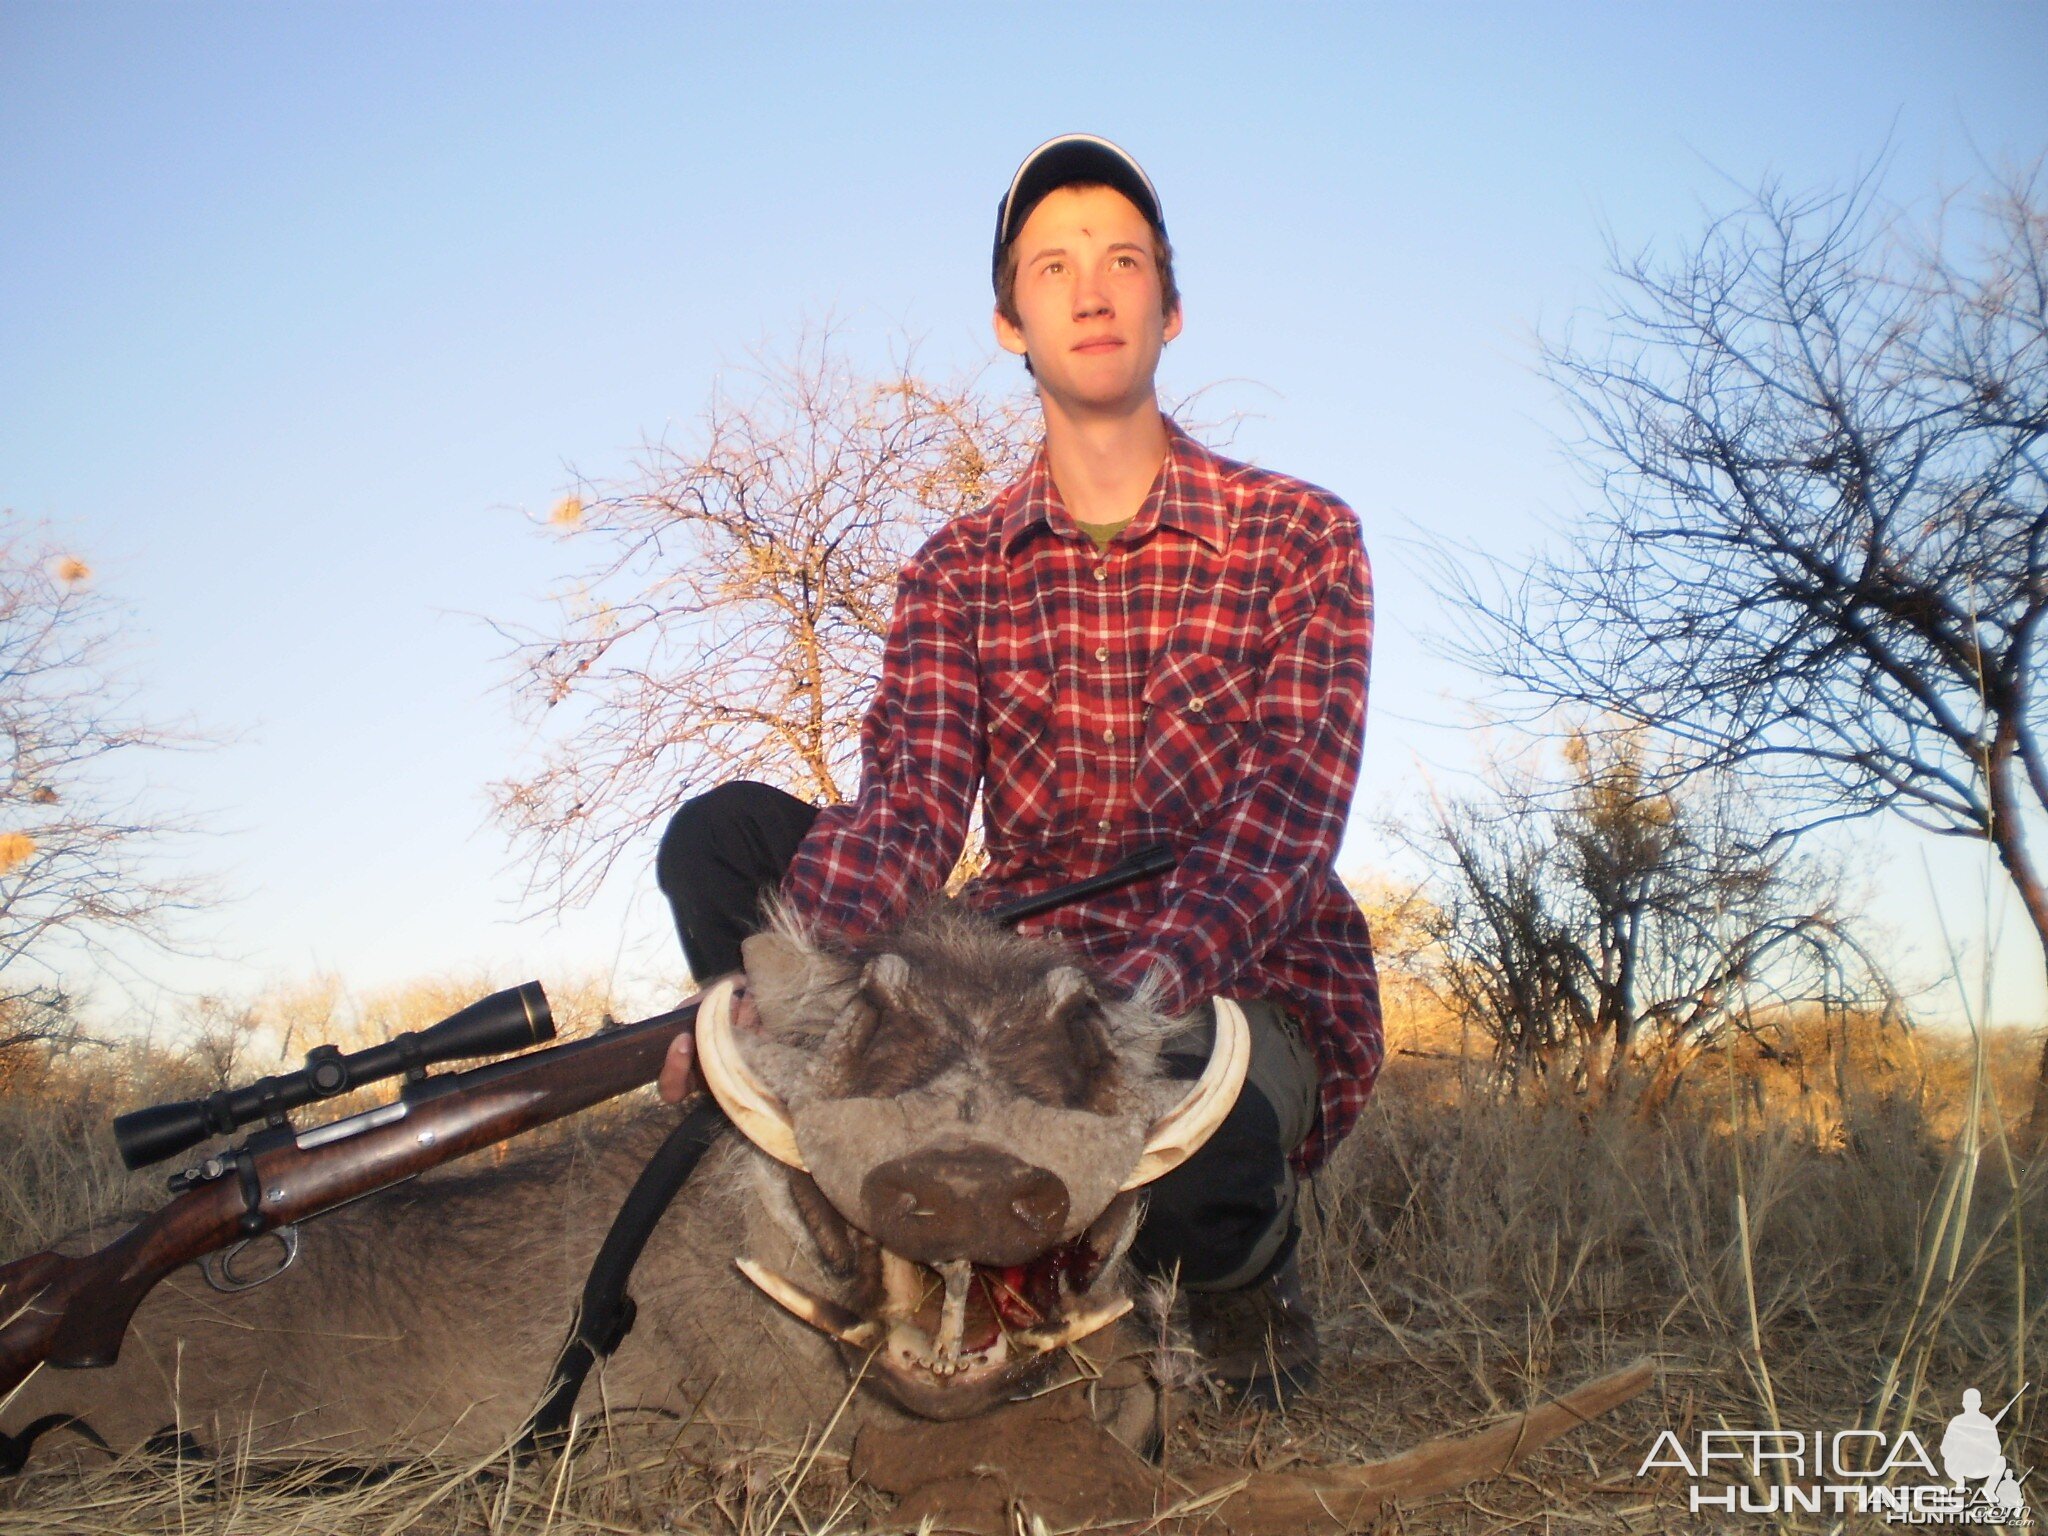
1088, 301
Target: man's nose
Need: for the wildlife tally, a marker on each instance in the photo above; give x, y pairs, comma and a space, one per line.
1091, 298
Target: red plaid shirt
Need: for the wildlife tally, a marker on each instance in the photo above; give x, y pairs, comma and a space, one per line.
1202, 682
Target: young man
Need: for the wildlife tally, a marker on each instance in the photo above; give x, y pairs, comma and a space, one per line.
1139, 641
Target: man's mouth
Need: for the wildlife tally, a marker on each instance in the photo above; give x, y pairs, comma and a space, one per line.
1100, 344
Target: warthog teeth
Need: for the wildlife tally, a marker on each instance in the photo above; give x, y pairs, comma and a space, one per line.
828, 1317
942, 1355
1071, 1330
910, 1345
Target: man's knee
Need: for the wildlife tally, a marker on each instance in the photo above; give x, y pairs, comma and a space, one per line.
1224, 1216
725, 851
736, 825
1227, 1215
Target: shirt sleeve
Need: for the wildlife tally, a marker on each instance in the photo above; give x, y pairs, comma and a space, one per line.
1252, 871
865, 863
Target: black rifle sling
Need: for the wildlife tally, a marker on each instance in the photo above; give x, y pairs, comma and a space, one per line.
605, 1315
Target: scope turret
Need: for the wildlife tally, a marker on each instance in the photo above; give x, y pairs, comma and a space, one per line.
505, 1021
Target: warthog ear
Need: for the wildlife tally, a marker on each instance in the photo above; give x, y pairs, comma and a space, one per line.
1066, 984
887, 982
793, 984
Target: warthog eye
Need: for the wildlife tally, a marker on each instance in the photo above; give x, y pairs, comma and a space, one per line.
1067, 1063
895, 1052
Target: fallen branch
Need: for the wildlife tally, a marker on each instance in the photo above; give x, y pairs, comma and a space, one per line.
1342, 1498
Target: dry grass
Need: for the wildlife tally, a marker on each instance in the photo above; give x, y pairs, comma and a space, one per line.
1769, 1249
1824, 1237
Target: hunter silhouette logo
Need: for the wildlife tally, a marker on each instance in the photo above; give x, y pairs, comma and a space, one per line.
1859, 1471
1970, 1453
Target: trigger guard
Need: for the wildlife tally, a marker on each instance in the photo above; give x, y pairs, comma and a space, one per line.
218, 1267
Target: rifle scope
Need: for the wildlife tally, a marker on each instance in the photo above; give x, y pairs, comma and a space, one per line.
505, 1021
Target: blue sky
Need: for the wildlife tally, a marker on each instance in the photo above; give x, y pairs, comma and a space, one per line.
304, 310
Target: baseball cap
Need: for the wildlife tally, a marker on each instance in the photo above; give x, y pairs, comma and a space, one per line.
1061, 162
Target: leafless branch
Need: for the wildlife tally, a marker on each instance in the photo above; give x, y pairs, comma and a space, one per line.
74, 845
1820, 553
735, 595
1607, 921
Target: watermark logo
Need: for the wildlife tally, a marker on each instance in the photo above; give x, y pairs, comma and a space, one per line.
1854, 1471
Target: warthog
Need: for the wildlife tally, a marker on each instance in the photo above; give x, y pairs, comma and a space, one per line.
947, 1132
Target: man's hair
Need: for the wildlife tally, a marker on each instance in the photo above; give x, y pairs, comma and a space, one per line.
1162, 248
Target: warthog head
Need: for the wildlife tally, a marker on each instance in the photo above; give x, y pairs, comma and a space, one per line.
965, 1122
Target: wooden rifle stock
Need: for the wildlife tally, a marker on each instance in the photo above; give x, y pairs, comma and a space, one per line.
72, 1312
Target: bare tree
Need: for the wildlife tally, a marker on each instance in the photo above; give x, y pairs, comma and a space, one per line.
1609, 929
1821, 555
219, 1036
735, 597
74, 867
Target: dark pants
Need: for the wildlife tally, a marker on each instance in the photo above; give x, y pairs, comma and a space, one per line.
1223, 1218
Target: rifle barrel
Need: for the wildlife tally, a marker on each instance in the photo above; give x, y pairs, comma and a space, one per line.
1156, 860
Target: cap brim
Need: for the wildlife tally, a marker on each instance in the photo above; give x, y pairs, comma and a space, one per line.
1062, 162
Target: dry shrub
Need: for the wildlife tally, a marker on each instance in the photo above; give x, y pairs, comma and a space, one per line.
58, 1166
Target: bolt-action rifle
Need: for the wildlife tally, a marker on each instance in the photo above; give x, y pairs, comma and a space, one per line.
71, 1312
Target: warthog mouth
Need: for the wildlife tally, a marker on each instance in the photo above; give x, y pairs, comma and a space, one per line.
952, 1339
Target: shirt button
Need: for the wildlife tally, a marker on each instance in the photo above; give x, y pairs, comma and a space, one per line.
1104, 825
1109, 738
1101, 574
1102, 653
1195, 705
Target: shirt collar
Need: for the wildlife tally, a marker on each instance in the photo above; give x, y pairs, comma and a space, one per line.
1187, 494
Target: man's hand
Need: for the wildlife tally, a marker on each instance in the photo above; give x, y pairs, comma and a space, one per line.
679, 1075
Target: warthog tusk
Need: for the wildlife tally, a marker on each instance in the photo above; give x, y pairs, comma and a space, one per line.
1070, 1330
957, 1274
828, 1317
903, 1286
757, 1112
1179, 1133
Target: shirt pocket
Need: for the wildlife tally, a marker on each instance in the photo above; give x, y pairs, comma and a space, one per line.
1198, 716
1021, 794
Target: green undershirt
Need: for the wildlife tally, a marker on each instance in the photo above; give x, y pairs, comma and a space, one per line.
1102, 533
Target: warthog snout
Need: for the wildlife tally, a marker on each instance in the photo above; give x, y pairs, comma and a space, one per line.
970, 1202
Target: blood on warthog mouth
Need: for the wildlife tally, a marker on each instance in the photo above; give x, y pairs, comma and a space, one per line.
1027, 1294
1012, 1295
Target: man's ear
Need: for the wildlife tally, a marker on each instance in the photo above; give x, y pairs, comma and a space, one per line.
1008, 337
1172, 323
